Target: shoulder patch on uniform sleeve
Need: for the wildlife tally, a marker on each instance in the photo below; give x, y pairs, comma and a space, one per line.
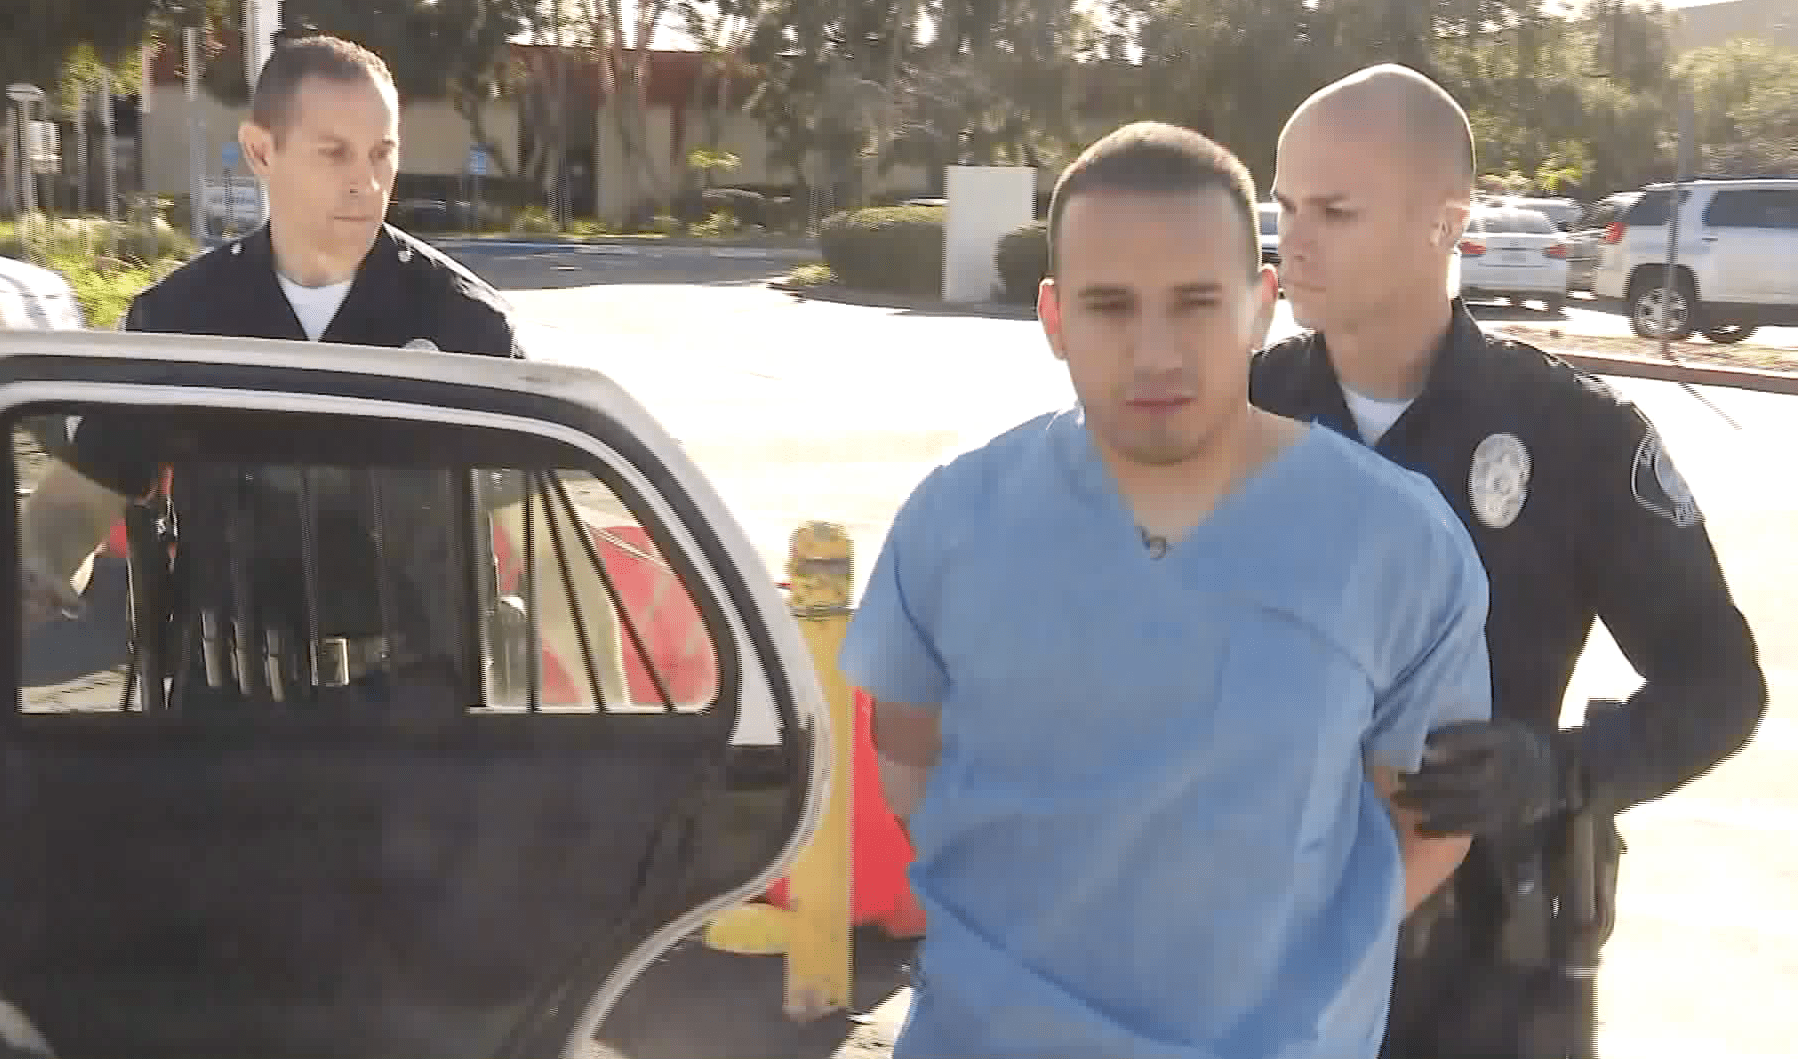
1657, 484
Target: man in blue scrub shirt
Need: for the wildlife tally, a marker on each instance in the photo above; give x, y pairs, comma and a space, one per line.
1149, 668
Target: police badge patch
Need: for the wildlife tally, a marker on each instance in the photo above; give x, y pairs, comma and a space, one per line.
1658, 486
1498, 480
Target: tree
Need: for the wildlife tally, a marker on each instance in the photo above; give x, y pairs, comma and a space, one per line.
43, 37
1745, 106
794, 48
457, 51
483, 69
1236, 69
722, 30
621, 48
996, 84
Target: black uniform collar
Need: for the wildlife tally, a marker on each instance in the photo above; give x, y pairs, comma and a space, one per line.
1450, 376
259, 248
366, 314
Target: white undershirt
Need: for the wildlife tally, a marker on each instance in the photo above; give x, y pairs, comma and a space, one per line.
315, 306
1374, 416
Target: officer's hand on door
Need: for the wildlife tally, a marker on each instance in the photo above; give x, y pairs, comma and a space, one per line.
1484, 776
45, 596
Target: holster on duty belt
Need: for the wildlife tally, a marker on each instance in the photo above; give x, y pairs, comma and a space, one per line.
1515, 939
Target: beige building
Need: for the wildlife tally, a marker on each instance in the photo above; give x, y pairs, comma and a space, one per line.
435, 140
1700, 25
434, 137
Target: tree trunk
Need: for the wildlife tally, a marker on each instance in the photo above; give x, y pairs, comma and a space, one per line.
468, 105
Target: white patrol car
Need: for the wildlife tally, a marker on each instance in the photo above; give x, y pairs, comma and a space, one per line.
478, 856
35, 298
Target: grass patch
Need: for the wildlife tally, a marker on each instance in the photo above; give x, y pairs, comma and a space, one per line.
105, 287
1691, 351
76, 249
812, 274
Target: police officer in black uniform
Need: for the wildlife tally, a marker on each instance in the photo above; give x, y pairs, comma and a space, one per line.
323, 137
1577, 511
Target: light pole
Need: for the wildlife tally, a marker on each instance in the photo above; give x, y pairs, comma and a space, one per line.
110, 158
196, 179
1682, 173
23, 96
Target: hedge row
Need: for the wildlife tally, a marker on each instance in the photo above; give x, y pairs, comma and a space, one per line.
899, 250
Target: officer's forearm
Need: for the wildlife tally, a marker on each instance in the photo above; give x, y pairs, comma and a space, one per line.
64, 519
1670, 732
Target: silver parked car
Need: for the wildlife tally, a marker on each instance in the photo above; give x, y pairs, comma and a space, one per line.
1514, 253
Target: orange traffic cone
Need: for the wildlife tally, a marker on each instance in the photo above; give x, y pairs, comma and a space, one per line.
881, 891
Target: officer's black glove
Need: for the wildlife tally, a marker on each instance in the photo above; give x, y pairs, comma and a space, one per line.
1481, 777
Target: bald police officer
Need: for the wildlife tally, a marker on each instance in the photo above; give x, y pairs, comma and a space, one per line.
1576, 509
323, 137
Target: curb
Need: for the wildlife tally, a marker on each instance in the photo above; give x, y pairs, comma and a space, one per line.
1783, 382
635, 248
841, 296
1741, 378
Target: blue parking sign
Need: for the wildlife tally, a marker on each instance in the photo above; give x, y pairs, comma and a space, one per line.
477, 161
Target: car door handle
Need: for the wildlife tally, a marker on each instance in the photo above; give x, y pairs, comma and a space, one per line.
1710, 238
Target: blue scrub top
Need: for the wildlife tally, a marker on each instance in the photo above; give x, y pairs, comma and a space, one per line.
1150, 833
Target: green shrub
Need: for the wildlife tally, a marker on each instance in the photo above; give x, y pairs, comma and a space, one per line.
721, 223
1023, 261
898, 249
156, 242
90, 237
811, 274
178, 210
105, 286
535, 220
749, 208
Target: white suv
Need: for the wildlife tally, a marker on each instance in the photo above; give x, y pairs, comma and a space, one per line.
1738, 258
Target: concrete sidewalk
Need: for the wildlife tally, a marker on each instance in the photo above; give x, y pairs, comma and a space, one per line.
697, 1003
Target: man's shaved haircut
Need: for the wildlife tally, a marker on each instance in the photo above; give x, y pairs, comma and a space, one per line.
1154, 157
297, 58
1419, 110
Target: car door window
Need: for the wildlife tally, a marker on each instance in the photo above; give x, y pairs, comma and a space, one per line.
1652, 209
1519, 221
1754, 236
1598, 215
509, 818
1738, 208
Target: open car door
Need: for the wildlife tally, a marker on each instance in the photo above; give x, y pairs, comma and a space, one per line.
618, 732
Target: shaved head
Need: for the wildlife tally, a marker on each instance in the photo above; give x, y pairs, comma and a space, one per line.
1375, 184
1411, 112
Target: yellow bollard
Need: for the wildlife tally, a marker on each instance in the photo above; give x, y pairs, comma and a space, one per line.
814, 932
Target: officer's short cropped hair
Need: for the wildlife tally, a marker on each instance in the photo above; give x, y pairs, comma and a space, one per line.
295, 59
1153, 157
